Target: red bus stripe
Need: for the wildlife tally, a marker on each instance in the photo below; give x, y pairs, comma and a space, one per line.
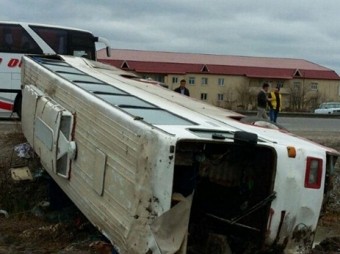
6, 105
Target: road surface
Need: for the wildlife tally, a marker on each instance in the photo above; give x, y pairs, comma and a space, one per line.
310, 124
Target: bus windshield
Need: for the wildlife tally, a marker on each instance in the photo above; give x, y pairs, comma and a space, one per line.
68, 42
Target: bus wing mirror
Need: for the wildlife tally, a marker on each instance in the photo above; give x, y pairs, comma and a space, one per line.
108, 51
107, 44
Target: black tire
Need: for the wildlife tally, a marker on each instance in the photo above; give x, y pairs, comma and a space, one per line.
17, 104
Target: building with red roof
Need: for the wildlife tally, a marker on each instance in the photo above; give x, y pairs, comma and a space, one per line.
233, 81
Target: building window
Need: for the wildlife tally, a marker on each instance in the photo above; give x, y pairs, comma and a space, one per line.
314, 86
220, 97
204, 81
191, 80
221, 81
174, 80
204, 96
159, 78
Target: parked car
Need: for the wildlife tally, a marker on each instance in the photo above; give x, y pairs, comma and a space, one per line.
328, 108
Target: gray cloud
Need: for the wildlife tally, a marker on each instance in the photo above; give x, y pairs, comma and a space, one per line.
295, 29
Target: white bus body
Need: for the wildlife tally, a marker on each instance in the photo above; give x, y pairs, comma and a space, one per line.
17, 39
158, 172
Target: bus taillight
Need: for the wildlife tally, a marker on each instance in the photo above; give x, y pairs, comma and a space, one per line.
313, 173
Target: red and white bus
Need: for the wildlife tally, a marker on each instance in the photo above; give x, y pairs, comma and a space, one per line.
18, 39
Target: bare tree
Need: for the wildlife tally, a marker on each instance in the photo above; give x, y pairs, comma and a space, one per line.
313, 99
228, 100
244, 96
302, 97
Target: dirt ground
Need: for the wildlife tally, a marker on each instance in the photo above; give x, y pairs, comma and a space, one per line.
29, 225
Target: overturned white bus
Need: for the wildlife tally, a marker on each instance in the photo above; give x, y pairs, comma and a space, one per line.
158, 172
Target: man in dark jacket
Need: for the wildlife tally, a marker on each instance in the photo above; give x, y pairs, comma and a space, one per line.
182, 89
262, 101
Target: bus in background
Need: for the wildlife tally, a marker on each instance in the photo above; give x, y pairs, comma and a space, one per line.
18, 38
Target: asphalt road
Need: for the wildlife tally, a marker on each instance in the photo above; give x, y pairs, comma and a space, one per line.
310, 124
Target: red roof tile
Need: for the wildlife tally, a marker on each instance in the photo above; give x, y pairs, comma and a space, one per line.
181, 63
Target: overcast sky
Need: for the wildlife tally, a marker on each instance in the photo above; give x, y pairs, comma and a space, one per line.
306, 29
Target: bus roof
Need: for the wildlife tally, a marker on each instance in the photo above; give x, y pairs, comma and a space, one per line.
190, 116
24, 24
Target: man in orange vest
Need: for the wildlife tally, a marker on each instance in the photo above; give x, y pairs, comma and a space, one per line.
275, 101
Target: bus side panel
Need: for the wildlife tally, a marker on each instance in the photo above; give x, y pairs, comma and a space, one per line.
129, 198
9, 79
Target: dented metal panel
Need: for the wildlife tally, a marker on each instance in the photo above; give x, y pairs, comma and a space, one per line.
184, 183
99, 175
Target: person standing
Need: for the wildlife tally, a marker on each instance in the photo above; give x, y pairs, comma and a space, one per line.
182, 89
275, 102
262, 101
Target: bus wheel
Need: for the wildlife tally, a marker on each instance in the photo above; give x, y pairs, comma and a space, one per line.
17, 104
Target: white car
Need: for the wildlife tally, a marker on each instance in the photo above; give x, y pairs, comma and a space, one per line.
328, 108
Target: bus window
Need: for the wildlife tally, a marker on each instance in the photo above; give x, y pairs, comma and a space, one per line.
54, 37
16, 40
68, 41
82, 44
